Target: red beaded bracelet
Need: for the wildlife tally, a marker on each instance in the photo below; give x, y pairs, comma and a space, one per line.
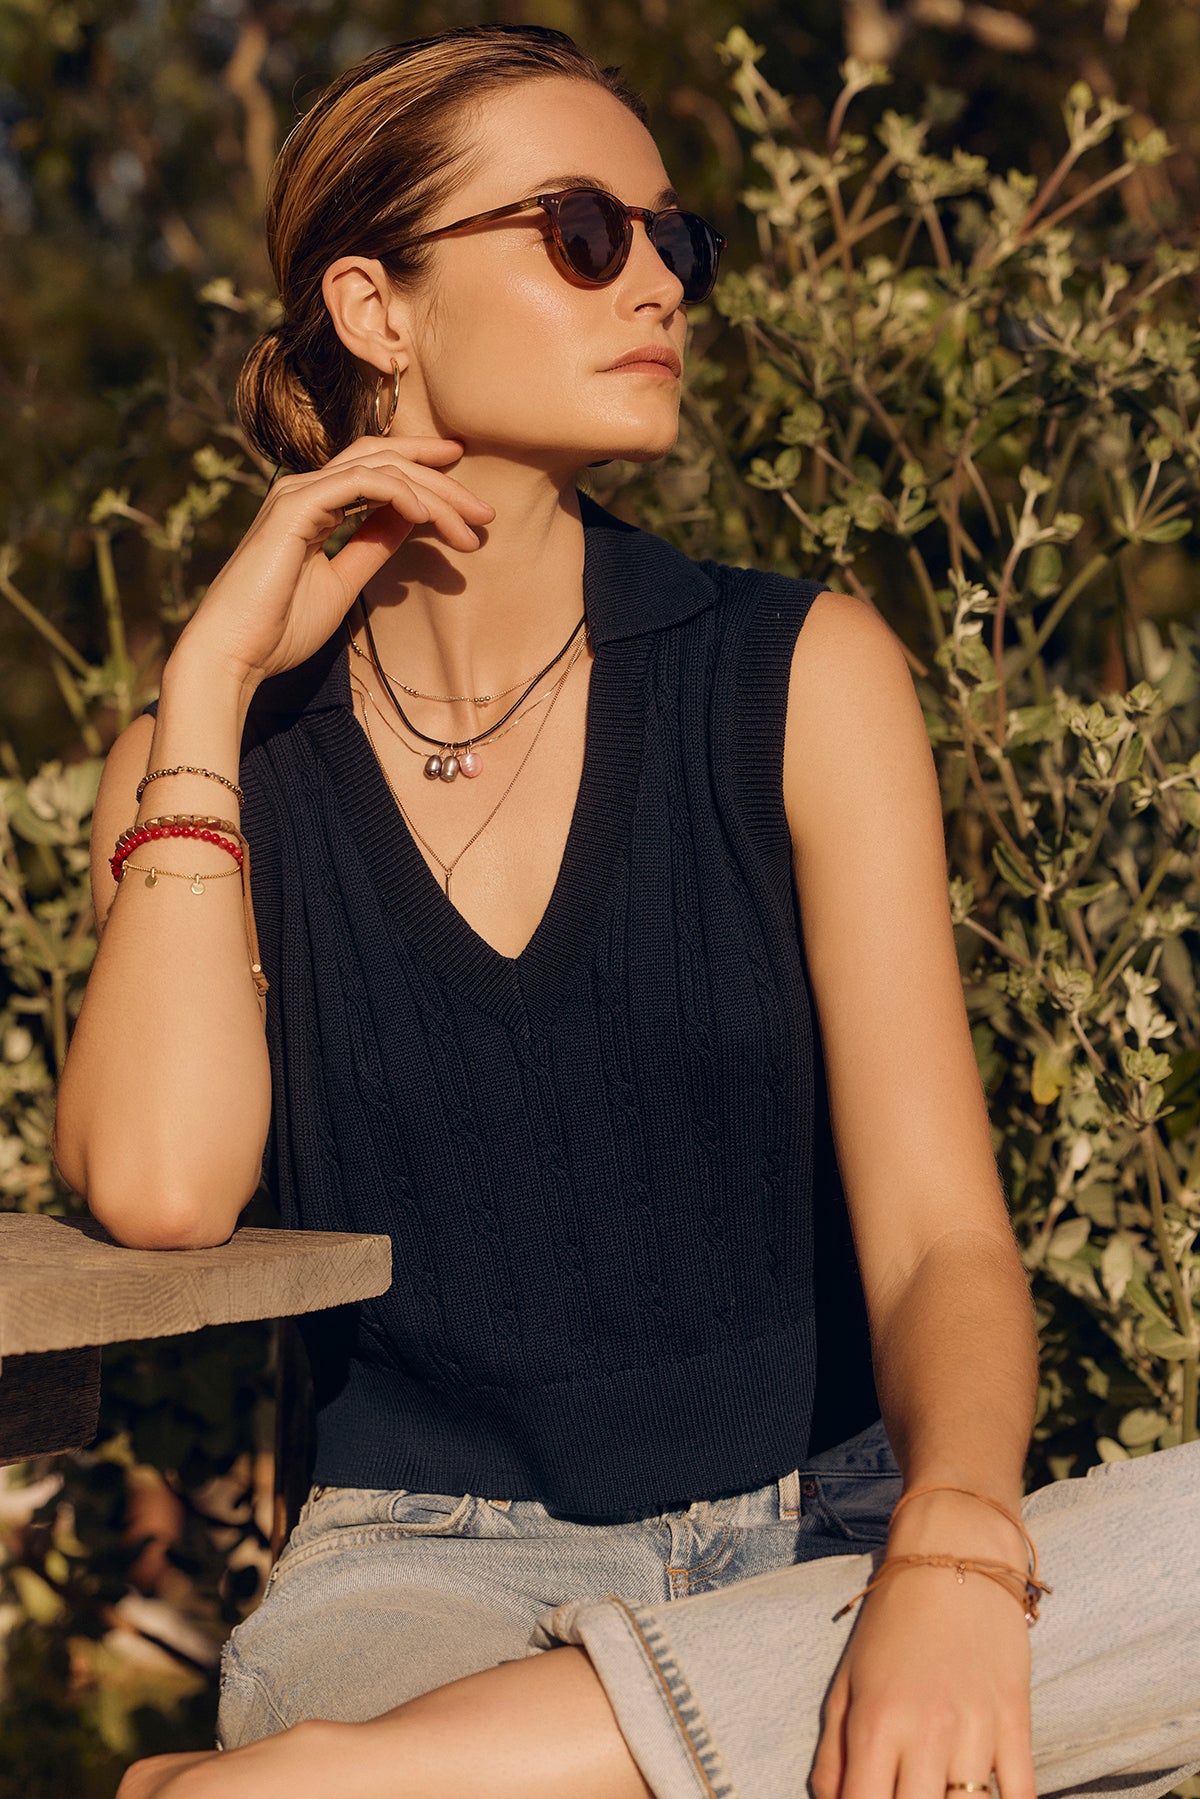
129, 841
207, 829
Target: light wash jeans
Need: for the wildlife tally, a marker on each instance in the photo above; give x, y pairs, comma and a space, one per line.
710, 1626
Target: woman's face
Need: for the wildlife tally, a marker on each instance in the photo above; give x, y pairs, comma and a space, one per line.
511, 355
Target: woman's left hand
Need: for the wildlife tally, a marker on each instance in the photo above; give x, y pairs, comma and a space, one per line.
933, 1689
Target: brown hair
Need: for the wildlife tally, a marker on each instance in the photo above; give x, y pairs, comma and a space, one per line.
362, 172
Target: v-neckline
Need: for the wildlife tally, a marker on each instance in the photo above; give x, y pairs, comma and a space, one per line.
514, 988
634, 586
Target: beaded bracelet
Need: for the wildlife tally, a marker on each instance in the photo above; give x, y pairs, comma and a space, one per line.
196, 825
185, 818
157, 774
129, 841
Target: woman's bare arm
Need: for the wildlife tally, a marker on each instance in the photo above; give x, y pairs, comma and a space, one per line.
948, 1301
934, 1686
165, 1099
164, 1102
541, 1728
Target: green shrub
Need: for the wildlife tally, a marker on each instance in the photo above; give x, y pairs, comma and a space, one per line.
944, 393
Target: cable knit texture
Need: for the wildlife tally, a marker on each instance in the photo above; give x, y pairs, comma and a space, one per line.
595, 1160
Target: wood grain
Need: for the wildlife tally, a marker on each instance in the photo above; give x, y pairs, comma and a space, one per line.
49, 1403
65, 1284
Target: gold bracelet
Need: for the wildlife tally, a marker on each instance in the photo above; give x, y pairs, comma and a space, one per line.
172, 874
261, 984
157, 774
206, 820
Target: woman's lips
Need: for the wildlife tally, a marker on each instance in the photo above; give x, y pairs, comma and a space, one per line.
643, 368
649, 359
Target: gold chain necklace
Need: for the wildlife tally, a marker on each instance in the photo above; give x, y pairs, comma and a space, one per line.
446, 699
450, 759
482, 743
448, 868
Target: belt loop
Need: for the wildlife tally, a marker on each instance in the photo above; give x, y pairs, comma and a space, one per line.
789, 1494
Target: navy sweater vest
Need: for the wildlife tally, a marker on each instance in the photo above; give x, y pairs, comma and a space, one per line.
605, 1165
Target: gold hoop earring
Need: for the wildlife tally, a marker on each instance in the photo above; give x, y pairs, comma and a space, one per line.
383, 427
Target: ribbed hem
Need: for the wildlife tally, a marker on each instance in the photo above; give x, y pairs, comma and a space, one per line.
638, 1441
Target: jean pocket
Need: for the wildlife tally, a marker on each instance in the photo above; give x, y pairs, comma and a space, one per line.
430, 1514
859, 1506
333, 1516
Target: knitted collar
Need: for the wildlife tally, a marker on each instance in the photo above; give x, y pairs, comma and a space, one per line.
632, 582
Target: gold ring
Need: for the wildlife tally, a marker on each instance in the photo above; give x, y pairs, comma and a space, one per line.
356, 506
968, 1786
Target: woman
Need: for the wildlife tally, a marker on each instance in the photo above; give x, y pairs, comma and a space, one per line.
571, 1065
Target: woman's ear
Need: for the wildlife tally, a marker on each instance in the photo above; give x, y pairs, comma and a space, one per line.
368, 315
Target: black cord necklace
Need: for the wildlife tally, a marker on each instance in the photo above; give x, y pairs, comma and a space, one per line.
461, 757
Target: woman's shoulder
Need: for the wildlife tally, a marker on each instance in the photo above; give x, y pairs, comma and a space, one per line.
847, 649
853, 712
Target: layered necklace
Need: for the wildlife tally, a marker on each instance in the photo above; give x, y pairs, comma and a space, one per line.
452, 757
550, 698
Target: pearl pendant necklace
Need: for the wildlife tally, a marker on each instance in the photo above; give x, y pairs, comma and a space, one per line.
452, 764
454, 759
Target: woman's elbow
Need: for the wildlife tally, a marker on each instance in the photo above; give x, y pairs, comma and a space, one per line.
162, 1215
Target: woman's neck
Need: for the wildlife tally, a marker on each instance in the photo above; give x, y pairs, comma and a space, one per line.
467, 622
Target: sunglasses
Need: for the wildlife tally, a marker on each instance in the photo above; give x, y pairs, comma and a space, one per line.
591, 234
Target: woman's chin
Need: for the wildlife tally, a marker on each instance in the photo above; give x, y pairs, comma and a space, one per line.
645, 446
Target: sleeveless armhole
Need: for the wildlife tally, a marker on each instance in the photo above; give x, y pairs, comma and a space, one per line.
773, 611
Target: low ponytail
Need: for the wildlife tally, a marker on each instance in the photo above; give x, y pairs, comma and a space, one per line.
296, 415
362, 173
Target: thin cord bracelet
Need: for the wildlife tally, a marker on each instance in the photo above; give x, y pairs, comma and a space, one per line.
1024, 1588
984, 1499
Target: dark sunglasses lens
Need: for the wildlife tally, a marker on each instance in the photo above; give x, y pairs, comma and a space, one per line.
593, 230
691, 250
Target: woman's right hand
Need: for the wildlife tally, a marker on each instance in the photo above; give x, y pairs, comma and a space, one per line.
279, 597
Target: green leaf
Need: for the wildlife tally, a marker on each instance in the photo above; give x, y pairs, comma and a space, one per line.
787, 466
1116, 1264
1170, 532
1075, 897
1009, 871
1141, 1426
1162, 1339
804, 423
1144, 1064
1068, 1238
1146, 151
1051, 1072
36, 1596
1045, 570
